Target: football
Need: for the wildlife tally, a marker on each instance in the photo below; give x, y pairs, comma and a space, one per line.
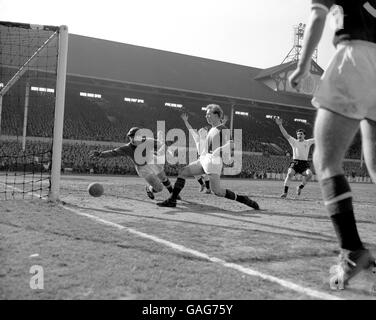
95, 189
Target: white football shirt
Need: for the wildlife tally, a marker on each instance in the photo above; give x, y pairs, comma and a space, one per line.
300, 149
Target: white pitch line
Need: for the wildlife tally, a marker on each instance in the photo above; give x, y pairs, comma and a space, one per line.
246, 270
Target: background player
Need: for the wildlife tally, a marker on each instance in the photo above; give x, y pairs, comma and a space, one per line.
210, 161
299, 165
345, 98
151, 171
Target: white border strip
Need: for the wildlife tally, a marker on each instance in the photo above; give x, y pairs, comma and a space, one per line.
246, 270
341, 197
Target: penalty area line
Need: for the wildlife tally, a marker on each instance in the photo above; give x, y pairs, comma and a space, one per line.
246, 270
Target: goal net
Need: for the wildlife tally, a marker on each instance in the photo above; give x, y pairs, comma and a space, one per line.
32, 90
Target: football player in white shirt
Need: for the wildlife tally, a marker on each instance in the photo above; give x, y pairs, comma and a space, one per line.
346, 100
199, 138
300, 164
217, 147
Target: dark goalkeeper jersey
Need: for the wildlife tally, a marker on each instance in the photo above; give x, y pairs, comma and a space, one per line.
128, 150
357, 20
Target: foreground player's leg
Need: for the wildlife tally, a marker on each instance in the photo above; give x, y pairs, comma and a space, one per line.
368, 129
221, 192
192, 169
334, 134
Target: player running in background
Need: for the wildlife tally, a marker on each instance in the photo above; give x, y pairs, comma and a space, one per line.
151, 171
299, 165
346, 99
217, 147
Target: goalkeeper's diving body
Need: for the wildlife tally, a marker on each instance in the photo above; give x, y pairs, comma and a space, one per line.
152, 171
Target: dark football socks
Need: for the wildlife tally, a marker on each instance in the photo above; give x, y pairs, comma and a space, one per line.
237, 197
167, 184
179, 185
230, 194
338, 202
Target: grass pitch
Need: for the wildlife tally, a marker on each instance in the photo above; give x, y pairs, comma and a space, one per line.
291, 239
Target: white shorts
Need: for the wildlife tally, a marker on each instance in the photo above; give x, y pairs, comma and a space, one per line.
210, 164
148, 169
348, 86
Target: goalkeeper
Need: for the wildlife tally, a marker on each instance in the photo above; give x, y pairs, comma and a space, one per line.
151, 170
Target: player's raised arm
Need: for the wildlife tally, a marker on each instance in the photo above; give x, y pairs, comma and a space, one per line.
312, 36
311, 141
184, 117
279, 122
192, 131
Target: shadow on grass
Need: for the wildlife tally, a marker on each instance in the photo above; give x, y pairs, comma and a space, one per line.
212, 211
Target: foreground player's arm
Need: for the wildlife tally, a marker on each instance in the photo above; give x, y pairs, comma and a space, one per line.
284, 132
312, 36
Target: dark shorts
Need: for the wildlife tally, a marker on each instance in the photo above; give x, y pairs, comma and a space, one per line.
299, 166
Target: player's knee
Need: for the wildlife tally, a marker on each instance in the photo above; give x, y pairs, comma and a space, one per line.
317, 160
184, 173
157, 187
372, 173
218, 191
325, 161
162, 176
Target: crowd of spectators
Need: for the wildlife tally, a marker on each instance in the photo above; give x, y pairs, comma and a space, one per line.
75, 159
108, 119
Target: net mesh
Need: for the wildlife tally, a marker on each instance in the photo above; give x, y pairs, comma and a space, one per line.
28, 70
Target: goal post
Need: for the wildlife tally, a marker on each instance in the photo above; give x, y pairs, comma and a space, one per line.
33, 64
59, 114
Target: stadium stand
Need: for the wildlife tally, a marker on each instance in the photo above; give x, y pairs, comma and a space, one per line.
188, 83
